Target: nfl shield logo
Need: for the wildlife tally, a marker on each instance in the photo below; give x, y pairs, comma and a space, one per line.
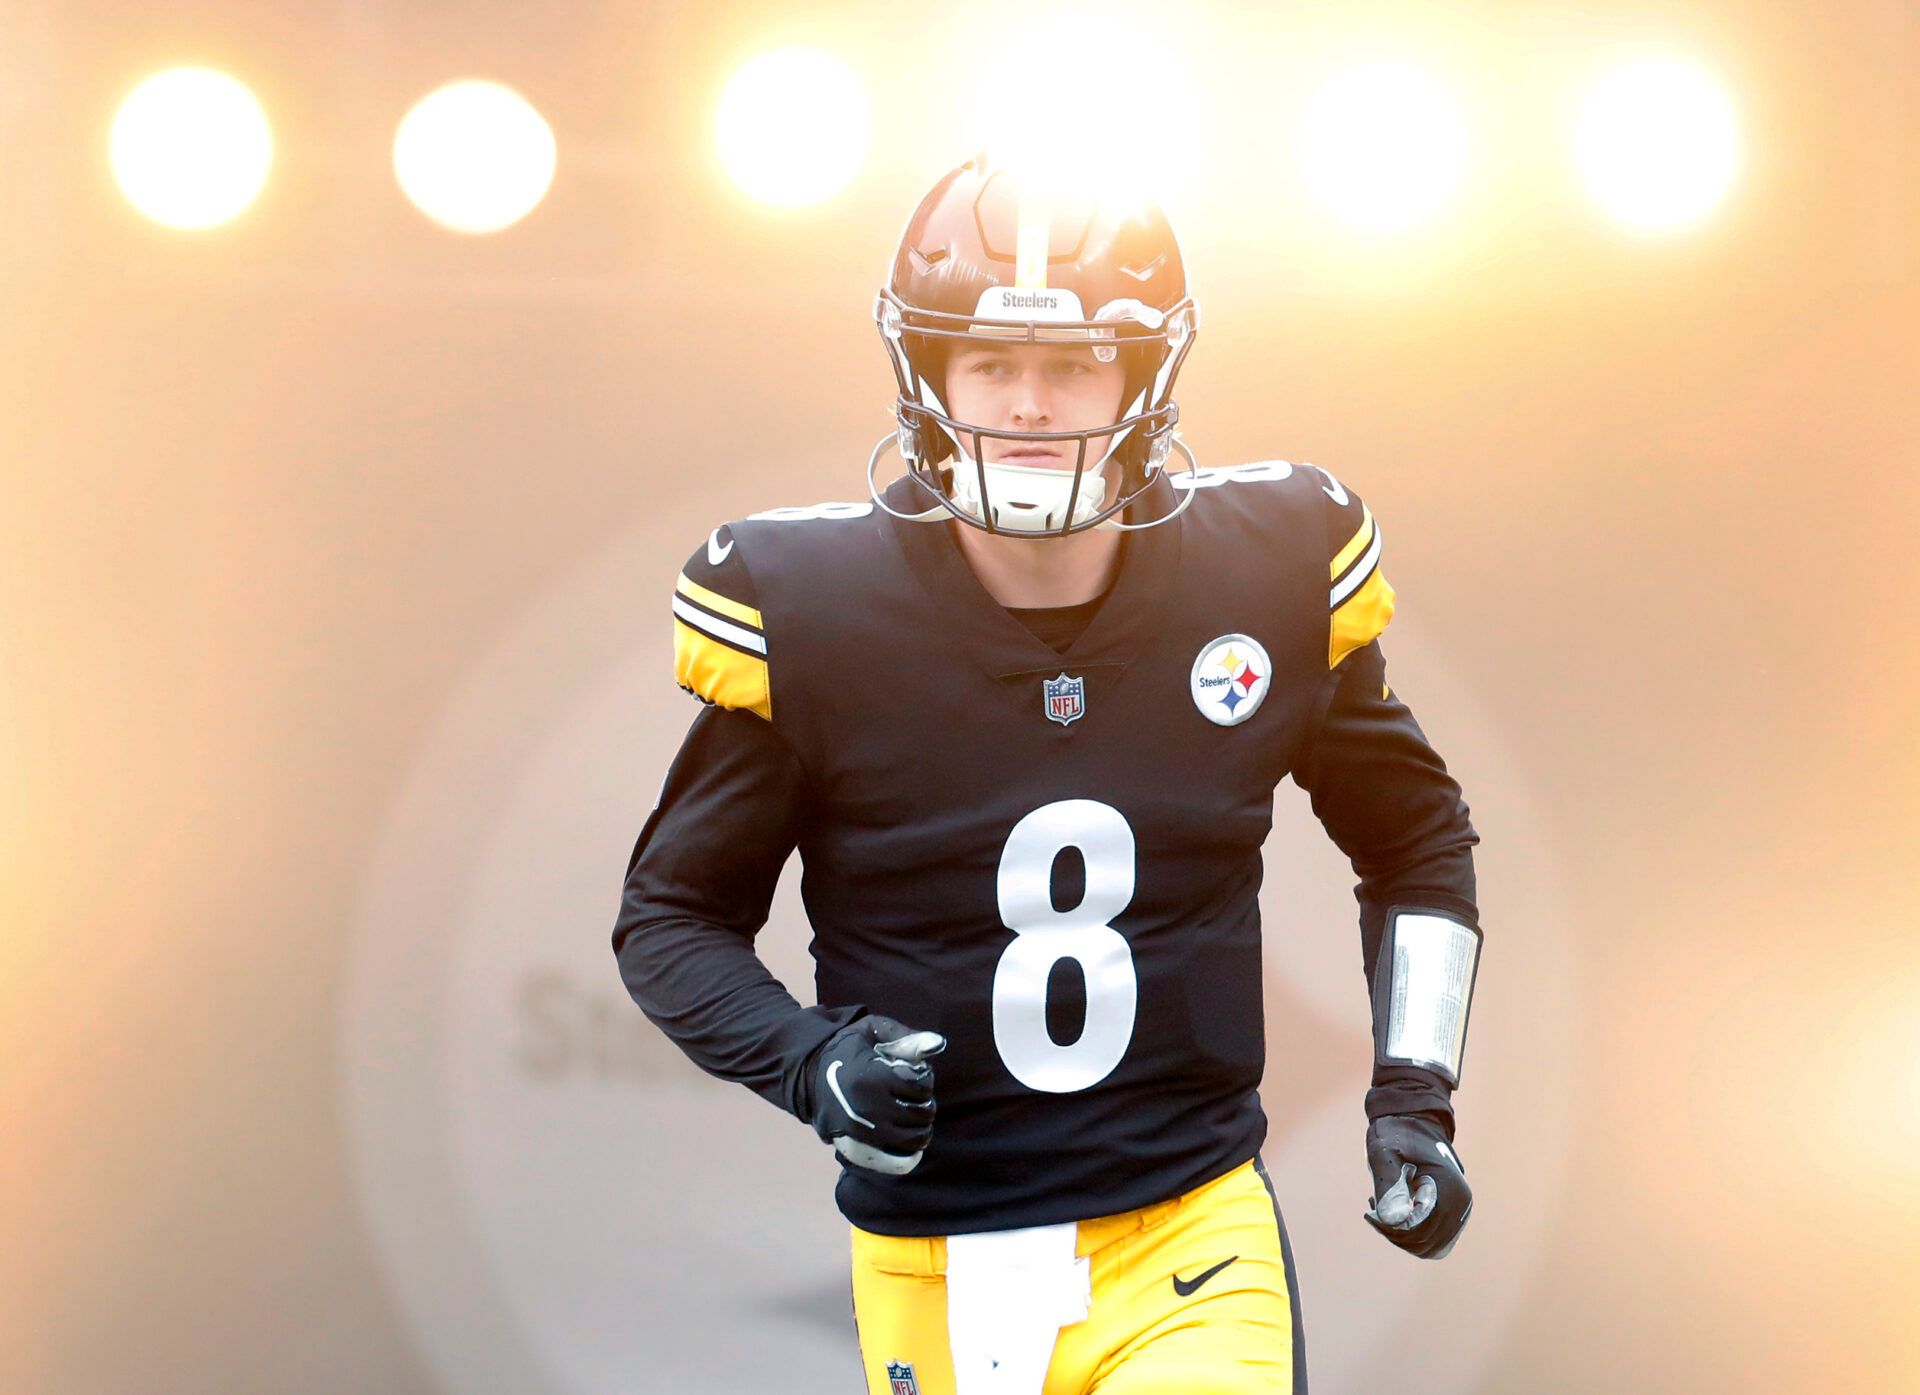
1066, 698
900, 1377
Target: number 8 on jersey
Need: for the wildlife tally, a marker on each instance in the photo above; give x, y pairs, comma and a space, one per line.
1042, 936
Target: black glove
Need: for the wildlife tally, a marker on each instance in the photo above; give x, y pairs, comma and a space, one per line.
1421, 1197
871, 1094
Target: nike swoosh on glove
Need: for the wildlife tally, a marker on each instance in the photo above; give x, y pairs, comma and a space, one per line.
1421, 1197
873, 1093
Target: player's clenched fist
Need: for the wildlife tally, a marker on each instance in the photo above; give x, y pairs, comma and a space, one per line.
1421, 1197
872, 1093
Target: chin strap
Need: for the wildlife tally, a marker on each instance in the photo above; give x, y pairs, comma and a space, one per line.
1195, 473
892, 438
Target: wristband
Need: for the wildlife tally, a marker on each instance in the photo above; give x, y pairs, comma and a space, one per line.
1423, 987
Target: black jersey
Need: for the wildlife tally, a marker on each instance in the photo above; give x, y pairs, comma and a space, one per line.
1053, 859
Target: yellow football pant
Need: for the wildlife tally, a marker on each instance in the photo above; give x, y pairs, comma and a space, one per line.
1237, 1331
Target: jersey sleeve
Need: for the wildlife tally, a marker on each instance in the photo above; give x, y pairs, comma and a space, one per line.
1377, 785
698, 889
1359, 600
719, 636
1386, 799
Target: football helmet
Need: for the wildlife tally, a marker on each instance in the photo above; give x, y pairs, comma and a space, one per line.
992, 254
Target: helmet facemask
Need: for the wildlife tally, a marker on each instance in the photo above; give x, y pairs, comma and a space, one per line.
944, 455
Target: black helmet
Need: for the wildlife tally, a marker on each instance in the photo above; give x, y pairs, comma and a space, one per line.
990, 254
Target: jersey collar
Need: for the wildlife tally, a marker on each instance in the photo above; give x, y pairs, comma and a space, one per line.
1006, 648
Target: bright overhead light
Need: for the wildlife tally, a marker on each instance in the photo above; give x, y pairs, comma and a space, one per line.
474, 156
793, 126
1086, 101
1657, 143
1383, 146
191, 148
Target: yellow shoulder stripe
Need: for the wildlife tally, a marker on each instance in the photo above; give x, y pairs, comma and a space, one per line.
1356, 545
720, 673
1360, 619
718, 603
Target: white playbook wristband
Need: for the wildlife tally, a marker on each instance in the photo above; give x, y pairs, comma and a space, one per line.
1423, 988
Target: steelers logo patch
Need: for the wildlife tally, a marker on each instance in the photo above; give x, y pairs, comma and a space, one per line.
1230, 679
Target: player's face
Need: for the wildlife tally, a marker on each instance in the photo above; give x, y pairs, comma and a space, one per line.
1035, 387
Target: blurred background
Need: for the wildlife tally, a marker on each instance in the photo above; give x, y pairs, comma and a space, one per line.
368, 370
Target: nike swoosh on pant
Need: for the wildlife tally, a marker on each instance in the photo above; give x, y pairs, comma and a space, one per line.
717, 554
1183, 1287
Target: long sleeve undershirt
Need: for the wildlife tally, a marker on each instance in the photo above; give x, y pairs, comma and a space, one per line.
1385, 798
698, 888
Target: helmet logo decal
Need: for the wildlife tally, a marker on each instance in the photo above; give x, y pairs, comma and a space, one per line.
1012, 303
1230, 679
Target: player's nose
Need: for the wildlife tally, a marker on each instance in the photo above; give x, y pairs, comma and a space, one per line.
1030, 402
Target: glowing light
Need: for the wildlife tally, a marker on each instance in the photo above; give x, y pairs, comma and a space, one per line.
1031, 239
1087, 103
474, 156
1383, 147
1657, 144
793, 126
190, 147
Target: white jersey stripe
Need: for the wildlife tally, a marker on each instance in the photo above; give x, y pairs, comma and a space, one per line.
1358, 572
718, 628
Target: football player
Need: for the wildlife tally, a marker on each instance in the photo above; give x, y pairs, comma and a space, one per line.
1022, 712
